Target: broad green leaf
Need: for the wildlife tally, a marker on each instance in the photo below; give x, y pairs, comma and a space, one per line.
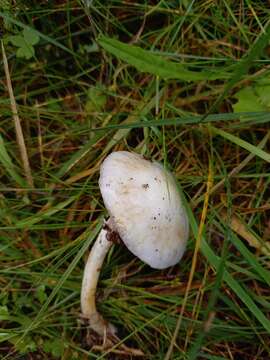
263, 91
248, 101
16, 40
24, 43
30, 36
26, 51
146, 61
255, 97
54, 346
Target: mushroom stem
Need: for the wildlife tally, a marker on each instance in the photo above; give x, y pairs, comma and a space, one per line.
89, 286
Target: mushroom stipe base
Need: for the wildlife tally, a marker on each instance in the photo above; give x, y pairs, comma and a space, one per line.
90, 278
108, 341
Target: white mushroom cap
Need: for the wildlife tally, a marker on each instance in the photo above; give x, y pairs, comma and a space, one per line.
145, 208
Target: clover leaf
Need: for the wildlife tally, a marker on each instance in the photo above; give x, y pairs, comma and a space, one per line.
253, 98
24, 43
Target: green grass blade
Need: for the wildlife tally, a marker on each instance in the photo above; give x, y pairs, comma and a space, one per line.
146, 61
28, 222
142, 110
242, 143
78, 155
8, 165
256, 117
252, 260
64, 277
214, 260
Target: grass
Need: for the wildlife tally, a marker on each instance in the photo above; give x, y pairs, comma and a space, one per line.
175, 95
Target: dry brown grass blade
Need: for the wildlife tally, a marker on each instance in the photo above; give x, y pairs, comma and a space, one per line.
18, 128
82, 174
130, 352
238, 226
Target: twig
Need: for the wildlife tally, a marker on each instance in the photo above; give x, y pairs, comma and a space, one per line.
18, 128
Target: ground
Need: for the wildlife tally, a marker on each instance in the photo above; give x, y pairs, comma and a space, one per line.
184, 83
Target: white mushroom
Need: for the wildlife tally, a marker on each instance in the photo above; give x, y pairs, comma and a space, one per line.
146, 212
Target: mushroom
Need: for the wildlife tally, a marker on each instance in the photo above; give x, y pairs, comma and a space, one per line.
146, 212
